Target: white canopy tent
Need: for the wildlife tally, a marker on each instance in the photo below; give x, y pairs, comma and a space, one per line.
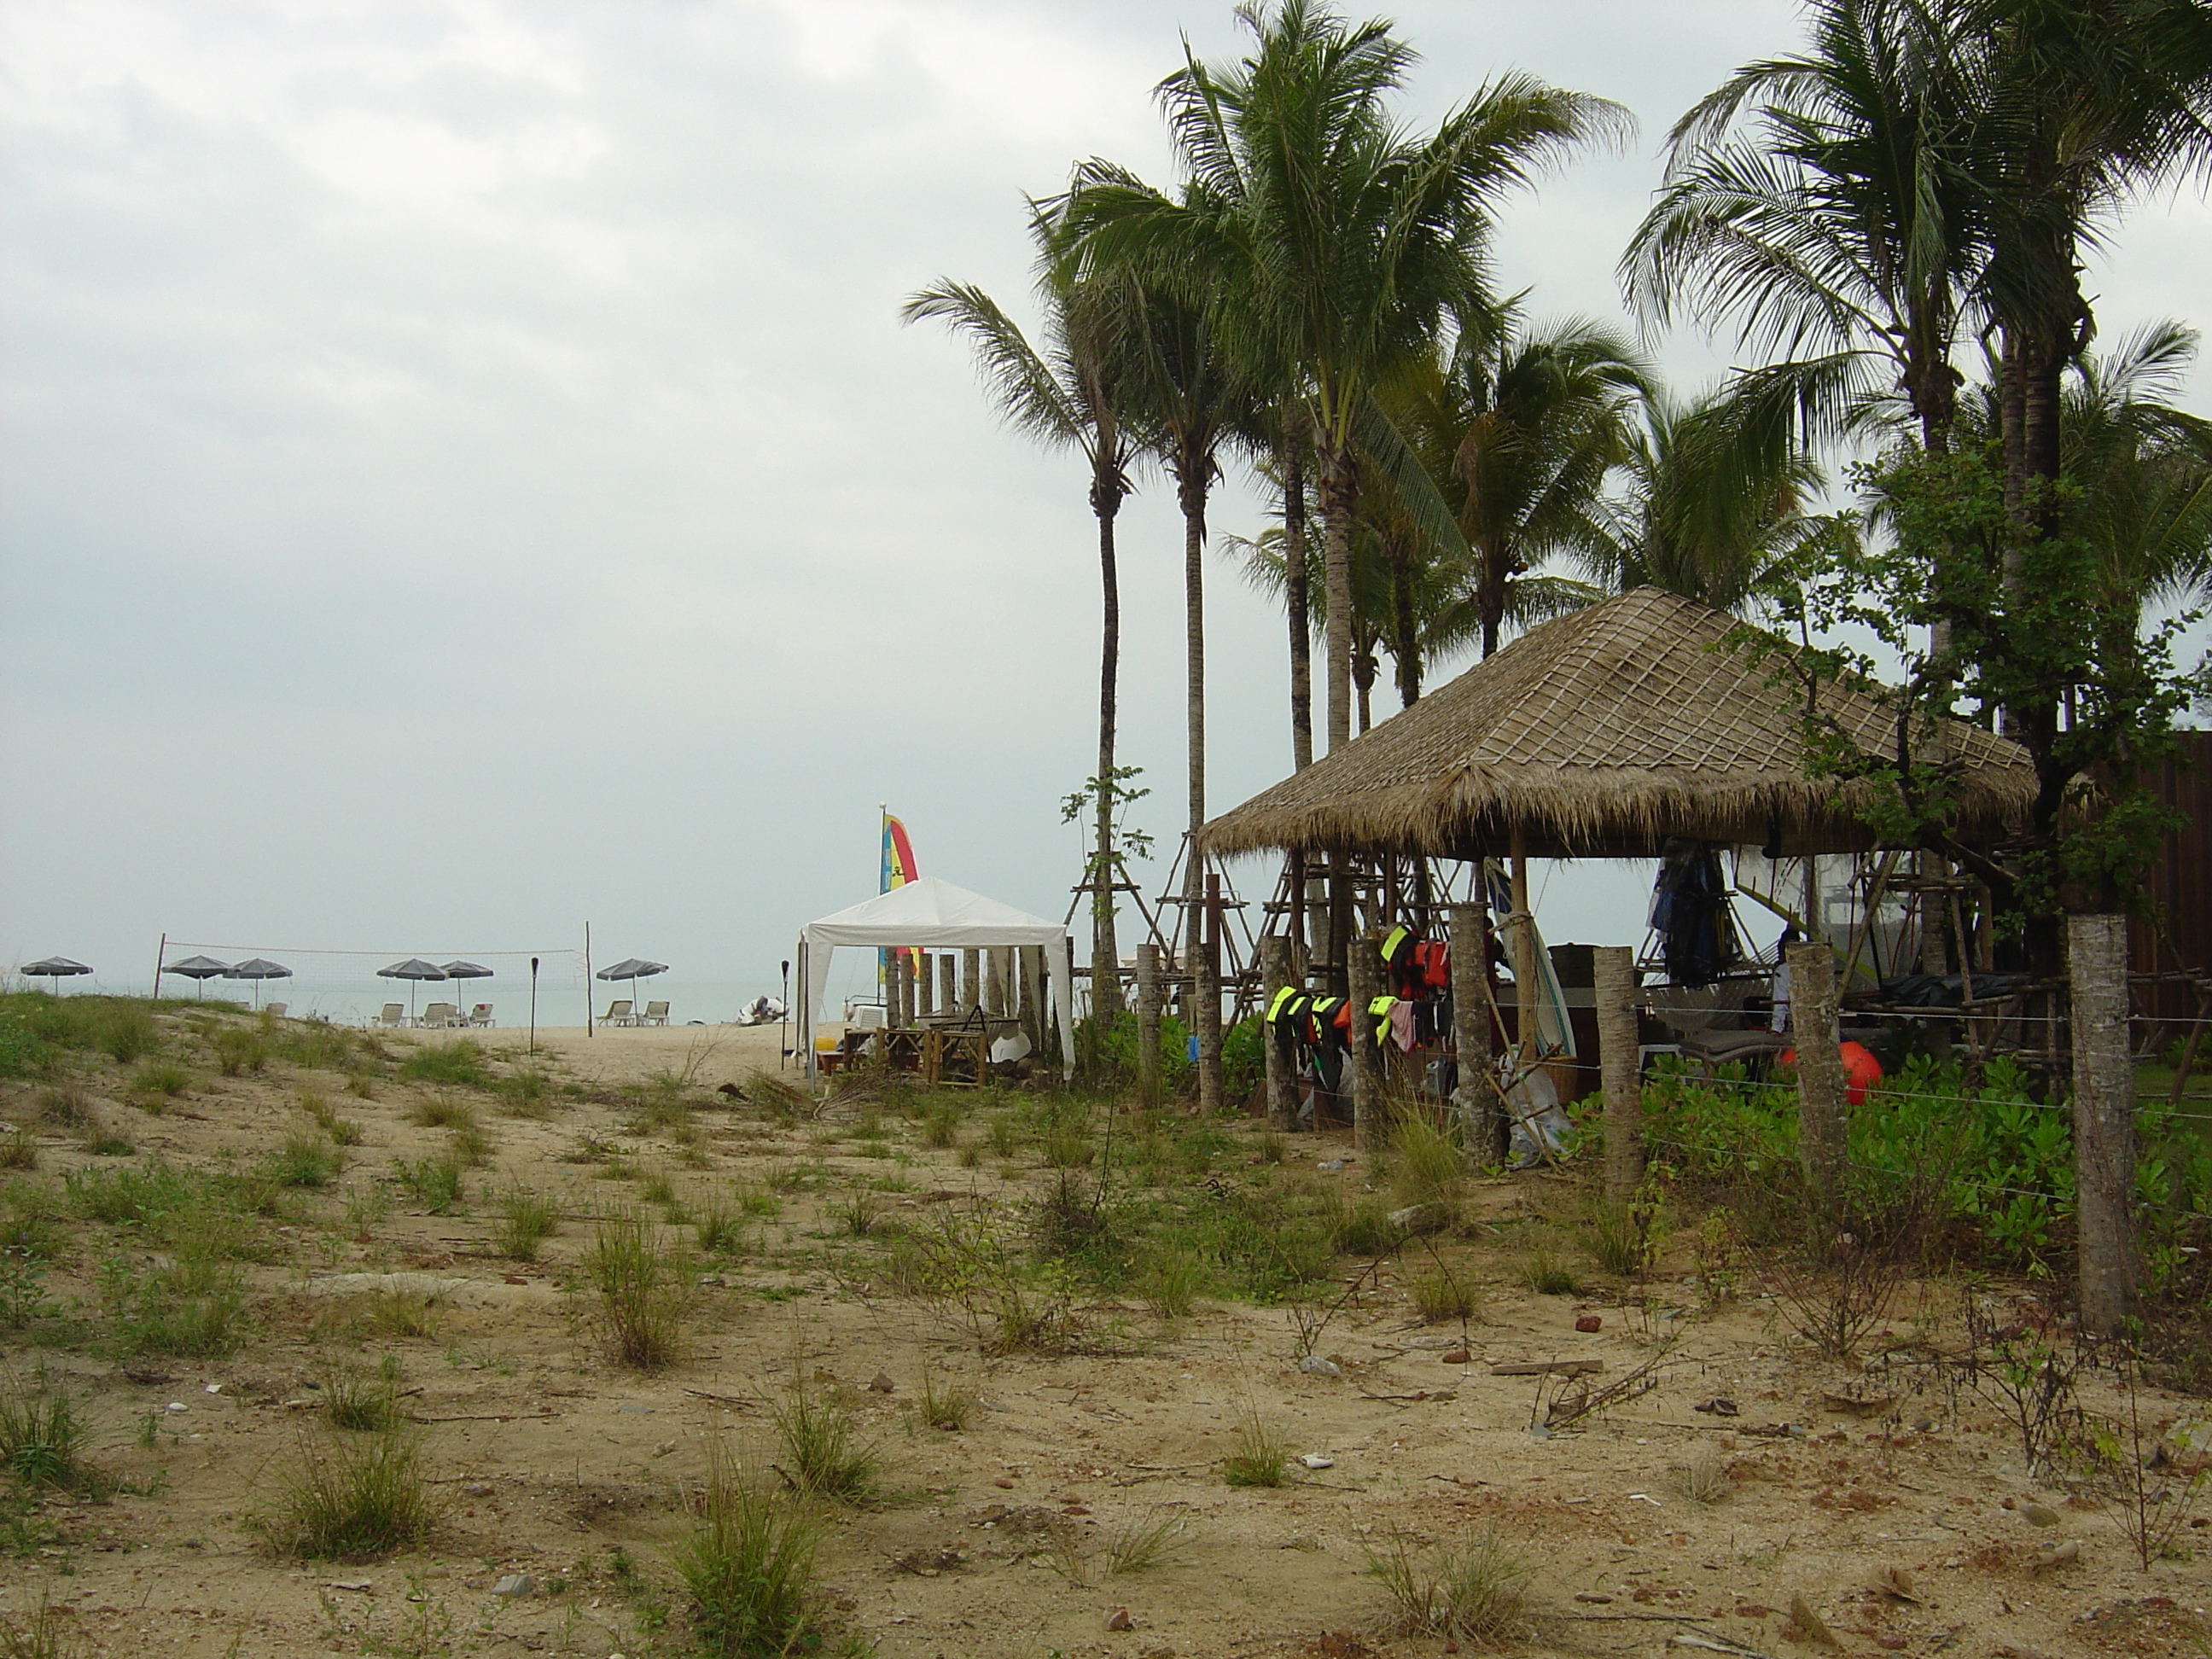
931, 915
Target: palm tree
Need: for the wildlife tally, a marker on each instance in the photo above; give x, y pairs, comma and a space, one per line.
1709, 505
1343, 241
1075, 394
1826, 203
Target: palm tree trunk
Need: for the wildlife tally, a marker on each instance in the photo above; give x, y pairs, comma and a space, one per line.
1294, 598
1340, 493
1206, 996
1105, 952
1405, 645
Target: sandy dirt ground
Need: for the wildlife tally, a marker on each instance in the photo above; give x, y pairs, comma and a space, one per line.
568, 1477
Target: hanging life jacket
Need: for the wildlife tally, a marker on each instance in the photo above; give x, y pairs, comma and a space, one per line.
1290, 1019
1378, 1020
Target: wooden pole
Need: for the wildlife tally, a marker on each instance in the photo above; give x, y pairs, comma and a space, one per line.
161, 960
1814, 1036
587, 978
948, 984
925, 988
1475, 1100
1148, 1023
1282, 1083
971, 980
1364, 971
996, 977
1523, 941
1206, 999
1614, 993
2104, 1122
1030, 968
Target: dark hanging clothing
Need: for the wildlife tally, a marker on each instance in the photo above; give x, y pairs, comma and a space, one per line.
1690, 912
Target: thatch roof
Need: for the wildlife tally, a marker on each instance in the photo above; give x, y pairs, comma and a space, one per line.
1602, 733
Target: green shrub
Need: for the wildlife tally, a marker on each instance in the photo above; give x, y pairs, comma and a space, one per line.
193, 1307
443, 1111
159, 1080
719, 1229
362, 1403
1430, 1168
342, 1130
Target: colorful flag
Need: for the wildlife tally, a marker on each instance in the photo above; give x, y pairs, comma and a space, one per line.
897, 869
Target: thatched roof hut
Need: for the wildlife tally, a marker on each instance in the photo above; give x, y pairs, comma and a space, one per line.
1599, 734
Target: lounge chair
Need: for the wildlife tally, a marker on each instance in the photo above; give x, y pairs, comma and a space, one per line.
480, 1014
656, 1013
437, 1016
276, 1010
618, 1013
394, 1015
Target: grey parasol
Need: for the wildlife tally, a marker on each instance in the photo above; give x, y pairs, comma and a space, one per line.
257, 969
56, 968
463, 970
632, 968
414, 970
197, 969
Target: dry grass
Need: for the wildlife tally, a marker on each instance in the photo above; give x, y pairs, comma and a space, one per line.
1472, 1590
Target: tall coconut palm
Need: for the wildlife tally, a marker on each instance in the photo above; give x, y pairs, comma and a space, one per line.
1826, 203
1344, 241
1071, 392
2087, 102
1708, 504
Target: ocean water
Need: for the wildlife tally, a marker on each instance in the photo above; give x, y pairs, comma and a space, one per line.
351, 996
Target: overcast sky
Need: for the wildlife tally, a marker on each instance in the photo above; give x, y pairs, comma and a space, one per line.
462, 473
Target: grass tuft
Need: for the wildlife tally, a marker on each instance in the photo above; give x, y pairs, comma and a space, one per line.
1262, 1457
644, 1289
1144, 1542
821, 1438
306, 1160
42, 1438
945, 1405
353, 1499
1472, 1591
1442, 1295
749, 1566
527, 1218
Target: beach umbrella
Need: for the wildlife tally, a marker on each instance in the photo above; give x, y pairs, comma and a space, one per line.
414, 970
196, 968
257, 969
460, 970
632, 968
56, 968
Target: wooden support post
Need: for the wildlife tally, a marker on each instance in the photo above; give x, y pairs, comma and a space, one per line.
971, 980
925, 988
997, 987
1205, 999
1814, 1036
1523, 940
1148, 1023
1032, 986
948, 984
2104, 1122
1614, 993
1282, 1081
1364, 971
1475, 1100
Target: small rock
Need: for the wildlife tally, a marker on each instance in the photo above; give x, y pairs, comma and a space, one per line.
1455, 1356
1719, 1405
358, 1584
477, 1488
1593, 1598
664, 1449
1119, 1620
881, 1383
2057, 1555
1316, 1461
1418, 1218
1315, 1365
1332, 1164
1809, 1623
516, 1584
1002, 1481
215, 1388
2036, 1515
176, 1404
1587, 1322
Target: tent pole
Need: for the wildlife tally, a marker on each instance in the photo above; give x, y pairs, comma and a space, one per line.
587, 978
161, 956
